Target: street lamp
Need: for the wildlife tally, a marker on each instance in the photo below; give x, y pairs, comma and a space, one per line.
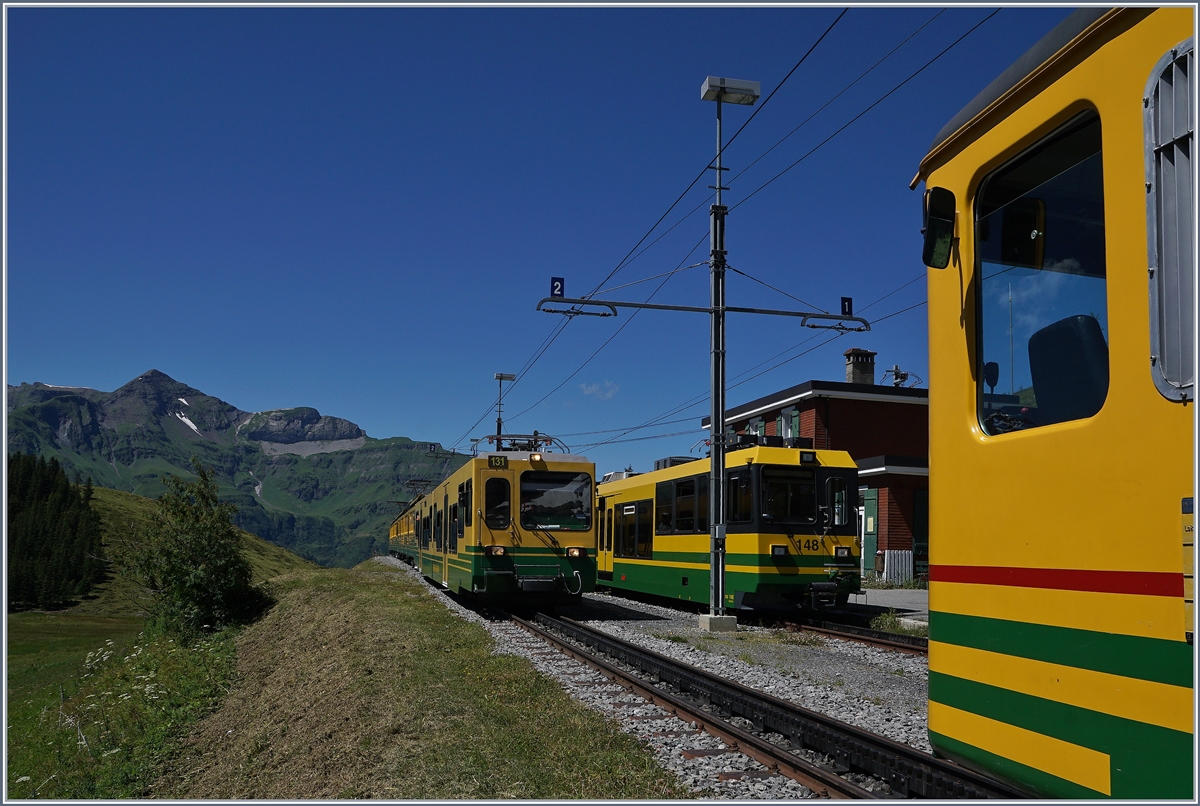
501, 377
721, 90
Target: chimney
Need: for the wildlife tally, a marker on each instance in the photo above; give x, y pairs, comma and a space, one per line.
860, 366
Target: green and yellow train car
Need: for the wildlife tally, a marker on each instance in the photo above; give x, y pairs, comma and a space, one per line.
1060, 238
790, 535
506, 524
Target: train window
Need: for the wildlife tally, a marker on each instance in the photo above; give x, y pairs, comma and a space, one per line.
837, 499
439, 527
426, 530
464, 501
664, 500
739, 502
1170, 214
556, 500
455, 528
685, 505
608, 529
645, 535
1041, 279
634, 529
789, 495
496, 503
702, 503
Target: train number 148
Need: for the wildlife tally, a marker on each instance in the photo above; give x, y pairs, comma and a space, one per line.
812, 545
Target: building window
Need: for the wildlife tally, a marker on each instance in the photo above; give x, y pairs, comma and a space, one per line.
1041, 275
1170, 211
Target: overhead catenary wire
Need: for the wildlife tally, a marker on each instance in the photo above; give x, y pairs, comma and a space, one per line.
779, 142
624, 261
556, 332
742, 379
852, 120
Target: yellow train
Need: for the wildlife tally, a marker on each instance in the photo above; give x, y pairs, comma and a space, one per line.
1059, 233
508, 523
790, 534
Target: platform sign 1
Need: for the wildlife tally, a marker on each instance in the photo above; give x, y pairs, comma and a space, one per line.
847, 306
558, 287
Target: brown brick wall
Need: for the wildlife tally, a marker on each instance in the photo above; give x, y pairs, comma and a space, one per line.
897, 510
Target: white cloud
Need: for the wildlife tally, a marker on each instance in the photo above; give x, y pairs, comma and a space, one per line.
603, 391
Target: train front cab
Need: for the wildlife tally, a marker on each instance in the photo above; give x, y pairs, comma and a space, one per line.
510, 525
790, 532
1061, 653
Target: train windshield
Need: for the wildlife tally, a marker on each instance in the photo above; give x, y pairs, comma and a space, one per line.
555, 500
789, 495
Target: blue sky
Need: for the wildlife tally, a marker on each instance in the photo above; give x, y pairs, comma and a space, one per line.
358, 209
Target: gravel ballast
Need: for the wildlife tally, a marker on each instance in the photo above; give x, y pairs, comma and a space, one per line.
879, 690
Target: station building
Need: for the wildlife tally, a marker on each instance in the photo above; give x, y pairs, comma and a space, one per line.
885, 429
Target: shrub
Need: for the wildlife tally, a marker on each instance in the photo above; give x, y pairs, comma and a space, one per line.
189, 561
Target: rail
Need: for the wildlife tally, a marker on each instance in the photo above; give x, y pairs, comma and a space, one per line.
909, 772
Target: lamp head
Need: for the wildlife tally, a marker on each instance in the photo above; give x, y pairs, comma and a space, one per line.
730, 90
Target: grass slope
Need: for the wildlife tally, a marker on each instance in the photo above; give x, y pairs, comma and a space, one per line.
47, 651
360, 684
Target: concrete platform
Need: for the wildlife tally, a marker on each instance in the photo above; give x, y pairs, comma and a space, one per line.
910, 605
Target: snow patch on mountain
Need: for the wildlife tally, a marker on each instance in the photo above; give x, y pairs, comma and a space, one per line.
189, 423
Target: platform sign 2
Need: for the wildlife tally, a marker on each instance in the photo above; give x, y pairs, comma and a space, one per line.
558, 287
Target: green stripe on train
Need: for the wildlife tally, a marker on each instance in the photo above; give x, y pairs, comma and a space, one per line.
764, 561
1008, 771
1148, 761
1151, 659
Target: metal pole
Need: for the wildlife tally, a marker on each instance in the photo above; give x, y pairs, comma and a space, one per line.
716, 490
499, 402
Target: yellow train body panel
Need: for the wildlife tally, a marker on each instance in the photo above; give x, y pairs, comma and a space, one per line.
655, 537
505, 524
1061, 561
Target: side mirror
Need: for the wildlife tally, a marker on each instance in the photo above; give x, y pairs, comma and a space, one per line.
938, 227
991, 374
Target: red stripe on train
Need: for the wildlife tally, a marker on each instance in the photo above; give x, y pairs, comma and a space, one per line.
1145, 583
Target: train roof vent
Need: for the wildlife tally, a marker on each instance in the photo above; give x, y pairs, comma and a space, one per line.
617, 475
672, 461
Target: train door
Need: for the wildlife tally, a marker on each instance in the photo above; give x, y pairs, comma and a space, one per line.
497, 526
447, 525
604, 540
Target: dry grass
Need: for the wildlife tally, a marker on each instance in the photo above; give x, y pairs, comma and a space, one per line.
359, 684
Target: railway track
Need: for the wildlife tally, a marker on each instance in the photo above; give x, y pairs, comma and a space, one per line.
712, 703
912, 644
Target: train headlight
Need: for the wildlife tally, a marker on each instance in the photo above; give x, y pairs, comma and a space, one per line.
842, 552
779, 551
535, 457
576, 551
493, 551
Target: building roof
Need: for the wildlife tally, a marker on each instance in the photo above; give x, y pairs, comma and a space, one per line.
831, 389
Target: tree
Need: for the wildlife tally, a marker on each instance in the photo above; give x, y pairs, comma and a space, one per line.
190, 562
53, 535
